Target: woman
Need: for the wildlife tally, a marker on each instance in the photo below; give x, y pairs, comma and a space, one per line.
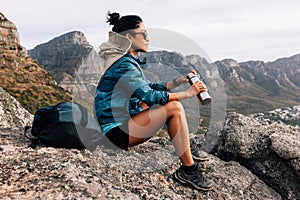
125, 99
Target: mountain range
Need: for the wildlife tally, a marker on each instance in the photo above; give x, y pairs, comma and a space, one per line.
245, 87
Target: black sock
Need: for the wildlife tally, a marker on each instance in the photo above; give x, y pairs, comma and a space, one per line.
189, 168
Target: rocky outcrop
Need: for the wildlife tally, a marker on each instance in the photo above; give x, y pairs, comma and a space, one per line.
247, 161
12, 114
272, 152
73, 62
9, 37
142, 172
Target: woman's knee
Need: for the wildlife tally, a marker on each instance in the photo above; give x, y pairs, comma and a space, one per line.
174, 107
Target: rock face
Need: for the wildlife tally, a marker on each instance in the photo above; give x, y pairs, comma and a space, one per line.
73, 62
12, 114
271, 152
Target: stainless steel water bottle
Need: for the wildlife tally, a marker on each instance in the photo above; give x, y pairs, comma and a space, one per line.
203, 97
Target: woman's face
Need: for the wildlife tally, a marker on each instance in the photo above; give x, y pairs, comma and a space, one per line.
139, 38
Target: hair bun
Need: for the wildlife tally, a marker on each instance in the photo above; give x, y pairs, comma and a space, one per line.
112, 18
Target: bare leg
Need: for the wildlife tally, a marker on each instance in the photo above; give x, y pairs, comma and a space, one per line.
145, 124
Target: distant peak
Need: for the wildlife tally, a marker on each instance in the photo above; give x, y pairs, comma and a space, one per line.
75, 37
75, 34
70, 38
230, 63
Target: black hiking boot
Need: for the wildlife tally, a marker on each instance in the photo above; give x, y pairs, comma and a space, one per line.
198, 155
194, 177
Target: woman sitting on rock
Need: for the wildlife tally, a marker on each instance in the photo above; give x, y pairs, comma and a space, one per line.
124, 100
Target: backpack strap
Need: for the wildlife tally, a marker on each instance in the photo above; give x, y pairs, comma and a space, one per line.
34, 140
84, 115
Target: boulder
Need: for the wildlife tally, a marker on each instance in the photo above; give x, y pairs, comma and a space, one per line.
12, 114
272, 152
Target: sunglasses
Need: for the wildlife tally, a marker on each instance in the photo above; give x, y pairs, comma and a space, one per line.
145, 34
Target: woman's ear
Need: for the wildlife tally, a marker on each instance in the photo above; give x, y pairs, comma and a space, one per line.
128, 36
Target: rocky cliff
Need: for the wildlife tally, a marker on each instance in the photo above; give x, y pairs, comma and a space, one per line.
21, 76
72, 61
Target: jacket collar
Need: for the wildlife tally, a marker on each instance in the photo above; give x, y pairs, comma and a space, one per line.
116, 47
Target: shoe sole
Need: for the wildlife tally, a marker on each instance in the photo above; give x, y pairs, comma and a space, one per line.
186, 182
200, 159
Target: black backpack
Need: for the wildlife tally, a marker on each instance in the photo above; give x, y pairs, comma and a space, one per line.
65, 125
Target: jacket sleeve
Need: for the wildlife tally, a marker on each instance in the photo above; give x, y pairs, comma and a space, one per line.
135, 84
158, 85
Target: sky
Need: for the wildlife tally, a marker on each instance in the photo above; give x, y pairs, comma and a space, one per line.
239, 29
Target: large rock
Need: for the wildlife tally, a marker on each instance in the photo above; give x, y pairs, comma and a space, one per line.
143, 172
271, 152
12, 114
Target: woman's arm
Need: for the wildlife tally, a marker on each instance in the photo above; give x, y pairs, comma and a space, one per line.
178, 81
172, 84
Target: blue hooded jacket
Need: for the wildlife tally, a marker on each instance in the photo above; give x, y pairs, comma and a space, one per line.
123, 86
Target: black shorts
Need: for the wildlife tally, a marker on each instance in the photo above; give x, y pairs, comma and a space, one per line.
117, 137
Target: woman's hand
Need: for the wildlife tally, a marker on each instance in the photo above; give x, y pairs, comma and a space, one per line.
184, 79
196, 88
181, 80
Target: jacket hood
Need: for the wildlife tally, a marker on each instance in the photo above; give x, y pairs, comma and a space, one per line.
116, 47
